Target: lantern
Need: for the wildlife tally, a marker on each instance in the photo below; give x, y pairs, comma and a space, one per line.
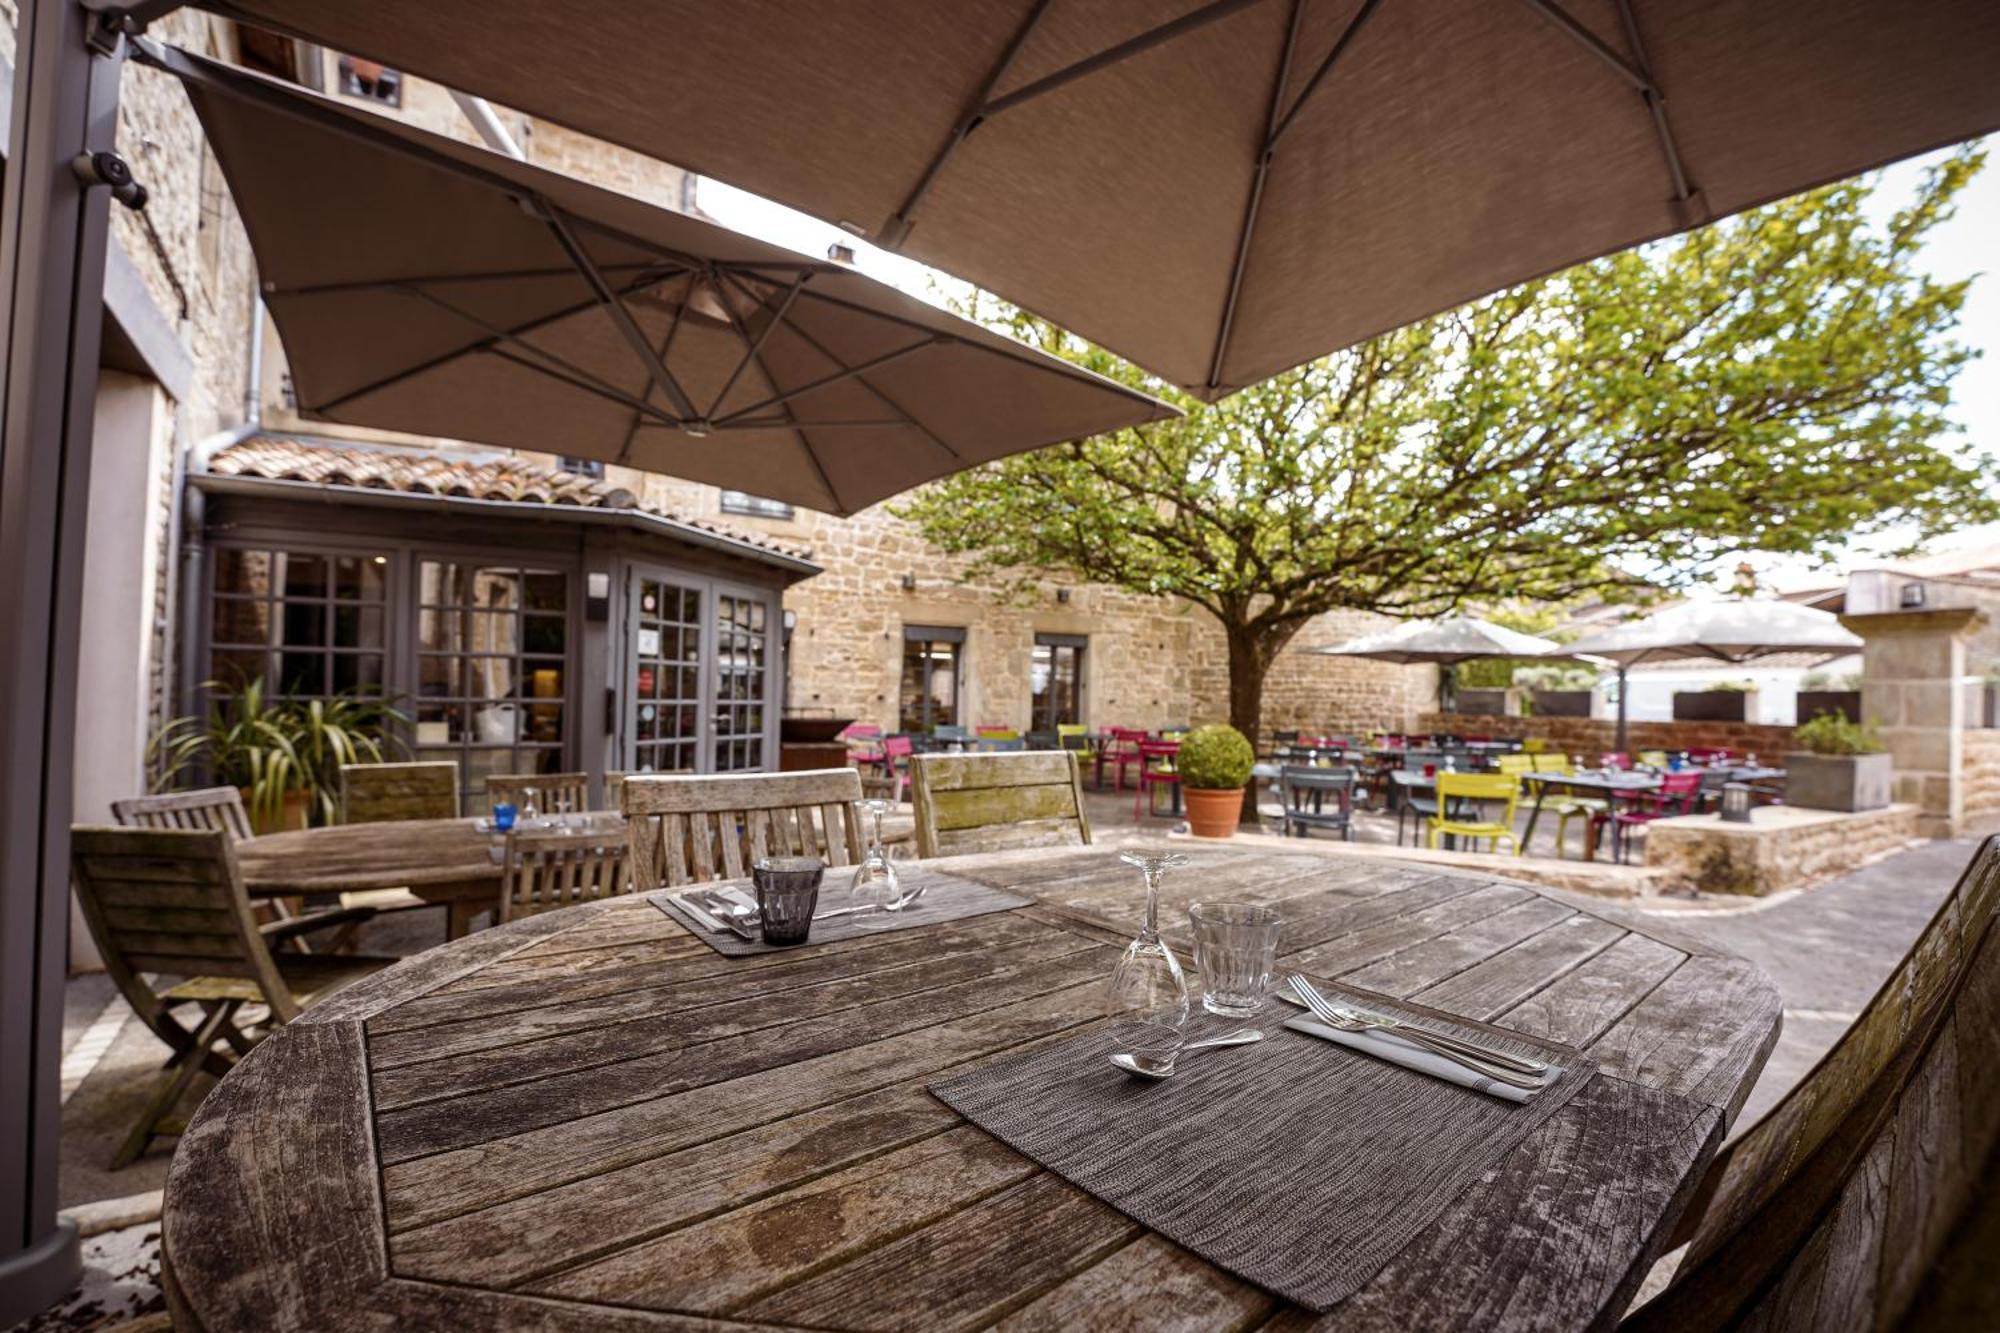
1735, 802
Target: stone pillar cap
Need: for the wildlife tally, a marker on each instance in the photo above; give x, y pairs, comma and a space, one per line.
1932, 620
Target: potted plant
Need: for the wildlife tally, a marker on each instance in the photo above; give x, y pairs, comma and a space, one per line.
1556, 691
1214, 763
1724, 701
1820, 692
284, 756
1840, 765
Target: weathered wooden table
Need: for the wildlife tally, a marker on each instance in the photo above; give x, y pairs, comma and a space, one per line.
445, 861
589, 1119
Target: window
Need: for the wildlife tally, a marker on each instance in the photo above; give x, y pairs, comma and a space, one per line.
666, 682
742, 654
371, 81
582, 467
492, 668
307, 623
739, 502
1055, 676
933, 666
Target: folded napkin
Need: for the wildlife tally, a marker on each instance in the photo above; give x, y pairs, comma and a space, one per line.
1397, 1051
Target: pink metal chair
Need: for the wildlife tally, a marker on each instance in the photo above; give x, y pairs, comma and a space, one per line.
1156, 769
864, 744
1121, 752
896, 752
1617, 759
1676, 795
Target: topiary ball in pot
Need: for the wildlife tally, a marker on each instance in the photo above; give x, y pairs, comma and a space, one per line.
1214, 764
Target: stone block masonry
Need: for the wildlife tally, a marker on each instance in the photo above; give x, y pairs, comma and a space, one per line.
1783, 847
1591, 737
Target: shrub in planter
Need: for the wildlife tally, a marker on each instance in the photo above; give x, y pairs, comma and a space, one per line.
1214, 764
1840, 766
1724, 701
1483, 703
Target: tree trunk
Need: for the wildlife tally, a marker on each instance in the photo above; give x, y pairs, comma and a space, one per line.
1249, 659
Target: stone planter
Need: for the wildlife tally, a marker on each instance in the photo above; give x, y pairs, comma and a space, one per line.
1846, 782
1715, 706
1212, 813
1562, 703
1841, 703
1483, 703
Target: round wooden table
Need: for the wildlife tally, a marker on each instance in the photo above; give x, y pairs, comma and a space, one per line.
589, 1119
445, 861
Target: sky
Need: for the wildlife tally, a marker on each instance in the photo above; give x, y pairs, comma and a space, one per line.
1966, 246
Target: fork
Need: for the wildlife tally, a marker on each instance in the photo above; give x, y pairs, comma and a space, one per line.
1324, 1011
1519, 1063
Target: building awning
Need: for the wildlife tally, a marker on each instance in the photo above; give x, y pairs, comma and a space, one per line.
282, 466
425, 285
1221, 189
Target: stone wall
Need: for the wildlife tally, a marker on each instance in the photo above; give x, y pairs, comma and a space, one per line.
1595, 736
1980, 759
1782, 848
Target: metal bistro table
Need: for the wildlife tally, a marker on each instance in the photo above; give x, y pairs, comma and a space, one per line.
590, 1120
1613, 784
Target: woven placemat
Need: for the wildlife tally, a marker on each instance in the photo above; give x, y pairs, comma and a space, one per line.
946, 898
1294, 1163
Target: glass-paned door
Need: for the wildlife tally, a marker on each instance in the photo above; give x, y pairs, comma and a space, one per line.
665, 682
742, 679
933, 665
1055, 675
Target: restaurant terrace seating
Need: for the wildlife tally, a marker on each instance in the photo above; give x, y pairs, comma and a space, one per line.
1306, 792
1830, 1210
546, 871
688, 830
995, 802
1458, 810
555, 793
171, 902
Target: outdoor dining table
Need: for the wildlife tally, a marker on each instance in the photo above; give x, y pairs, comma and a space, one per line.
592, 1119
1611, 784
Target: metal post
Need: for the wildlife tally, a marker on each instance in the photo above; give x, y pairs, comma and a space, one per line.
1623, 704
52, 242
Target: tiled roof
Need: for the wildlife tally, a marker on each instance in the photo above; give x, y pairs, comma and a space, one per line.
503, 477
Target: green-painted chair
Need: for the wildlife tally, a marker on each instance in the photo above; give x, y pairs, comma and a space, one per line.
1454, 790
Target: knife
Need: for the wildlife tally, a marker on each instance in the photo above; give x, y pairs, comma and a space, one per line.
729, 912
1479, 1050
701, 914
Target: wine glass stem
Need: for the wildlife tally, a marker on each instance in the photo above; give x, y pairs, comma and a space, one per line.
1151, 931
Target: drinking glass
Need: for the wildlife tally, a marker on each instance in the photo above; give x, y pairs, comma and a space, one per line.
530, 806
1236, 950
503, 815
1148, 994
874, 892
787, 895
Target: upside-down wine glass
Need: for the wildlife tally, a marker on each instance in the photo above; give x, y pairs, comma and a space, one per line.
1147, 998
874, 892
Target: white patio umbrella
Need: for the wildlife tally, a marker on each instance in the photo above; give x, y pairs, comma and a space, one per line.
1445, 642
1734, 631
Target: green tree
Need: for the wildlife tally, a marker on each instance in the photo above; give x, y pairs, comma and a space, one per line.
1778, 381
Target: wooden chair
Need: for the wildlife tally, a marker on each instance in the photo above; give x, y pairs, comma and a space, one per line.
171, 901
1830, 1211
685, 830
1303, 791
557, 793
546, 871
375, 793
209, 808
996, 802
1458, 814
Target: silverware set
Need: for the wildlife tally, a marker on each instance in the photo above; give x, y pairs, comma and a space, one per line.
718, 912
1500, 1066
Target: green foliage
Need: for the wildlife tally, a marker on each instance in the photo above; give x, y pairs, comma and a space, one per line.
1215, 758
273, 747
1832, 733
1777, 381
1553, 677
1730, 687
1826, 680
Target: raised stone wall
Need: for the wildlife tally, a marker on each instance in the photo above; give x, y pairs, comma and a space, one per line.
1781, 848
1595, 736
1980, 760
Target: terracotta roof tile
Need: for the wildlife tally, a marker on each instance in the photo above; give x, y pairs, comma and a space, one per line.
498, 477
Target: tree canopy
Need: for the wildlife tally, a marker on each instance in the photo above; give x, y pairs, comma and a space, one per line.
1778, 381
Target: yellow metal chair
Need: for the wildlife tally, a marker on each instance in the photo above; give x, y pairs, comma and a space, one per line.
1454, 788
1565, 807
1534, 745
1653, 758
1514, 765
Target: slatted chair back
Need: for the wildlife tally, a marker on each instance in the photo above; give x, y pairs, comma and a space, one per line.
546, 871
998, 802
614, 791
687, 830
209, 808
378, 793
1551, 763
555, 793
1514, 765
170, 901
1304, 793
1831, 1209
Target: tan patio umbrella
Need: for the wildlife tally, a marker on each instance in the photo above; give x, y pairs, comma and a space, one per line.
421, 284
1220, 189
1445, 642
1733, 631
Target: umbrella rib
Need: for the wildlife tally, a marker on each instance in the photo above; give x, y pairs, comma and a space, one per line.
755, 346
785, 411
654, 269
666, 349
1638, 75
587, 384
985, 106
845, 373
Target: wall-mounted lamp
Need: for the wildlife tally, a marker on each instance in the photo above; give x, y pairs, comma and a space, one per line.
840, 254
597, 596
1735, 802
909, 583
1062, 595
1912, 596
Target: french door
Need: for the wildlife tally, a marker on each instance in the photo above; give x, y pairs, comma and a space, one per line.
700, 674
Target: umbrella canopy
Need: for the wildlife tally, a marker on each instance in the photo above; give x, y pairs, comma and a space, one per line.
1459, 639
421, 284
1221, 189
1735, 631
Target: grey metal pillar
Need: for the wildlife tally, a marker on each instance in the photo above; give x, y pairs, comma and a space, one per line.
52, 239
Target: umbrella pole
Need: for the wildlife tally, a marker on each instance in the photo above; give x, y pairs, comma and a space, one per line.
1619, 746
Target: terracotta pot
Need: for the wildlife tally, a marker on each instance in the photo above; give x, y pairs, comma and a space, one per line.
1214, 814
294, 815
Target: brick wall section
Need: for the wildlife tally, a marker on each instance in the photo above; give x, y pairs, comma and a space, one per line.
1981, 772
1595, 736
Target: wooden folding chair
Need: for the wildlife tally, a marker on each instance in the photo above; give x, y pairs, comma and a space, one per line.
555, 793
687, 830
546, 871
990, 802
